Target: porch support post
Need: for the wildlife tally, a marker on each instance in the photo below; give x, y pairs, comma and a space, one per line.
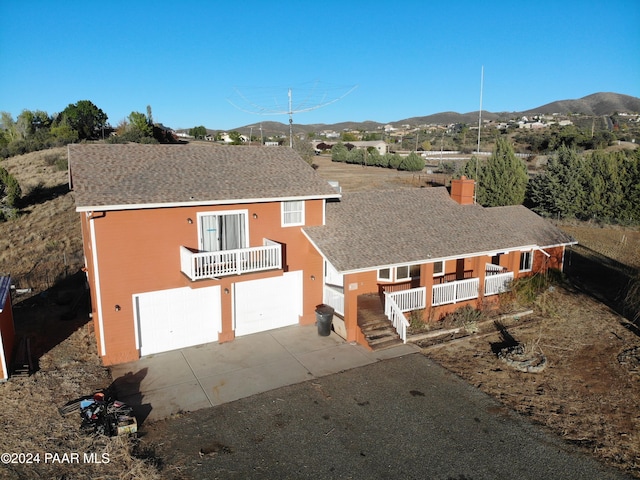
426, 280
480, 270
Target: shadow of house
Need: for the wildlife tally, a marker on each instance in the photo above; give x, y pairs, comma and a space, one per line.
50, 317
126, 388
40, 194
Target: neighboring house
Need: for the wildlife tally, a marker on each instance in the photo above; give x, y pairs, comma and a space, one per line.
7, 330
189, 244
194, 244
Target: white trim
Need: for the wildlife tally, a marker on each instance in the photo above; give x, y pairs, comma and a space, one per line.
441, 273
529, 266
197, 203
3, 362
302, 210
382, 279
245, 212
96, 280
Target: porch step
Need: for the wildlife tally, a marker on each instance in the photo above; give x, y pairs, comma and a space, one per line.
375, 326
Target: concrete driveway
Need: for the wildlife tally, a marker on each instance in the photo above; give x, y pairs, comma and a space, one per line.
190, 379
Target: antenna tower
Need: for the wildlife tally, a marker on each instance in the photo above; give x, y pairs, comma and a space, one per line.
263, 101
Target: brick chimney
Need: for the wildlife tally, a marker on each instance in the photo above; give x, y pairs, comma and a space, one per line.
462, 190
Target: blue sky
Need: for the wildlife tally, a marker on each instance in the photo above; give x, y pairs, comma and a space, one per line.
217, 63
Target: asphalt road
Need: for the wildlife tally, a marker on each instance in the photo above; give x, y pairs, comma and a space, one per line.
403, 418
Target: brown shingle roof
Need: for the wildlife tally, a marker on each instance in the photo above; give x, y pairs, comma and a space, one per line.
379, 228
133, 175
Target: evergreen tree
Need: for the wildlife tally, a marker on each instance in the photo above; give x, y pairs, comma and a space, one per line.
503, 180
604, 194
339, 152
559, 191
412, 163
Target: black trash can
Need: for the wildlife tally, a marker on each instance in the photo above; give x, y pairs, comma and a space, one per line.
324, 317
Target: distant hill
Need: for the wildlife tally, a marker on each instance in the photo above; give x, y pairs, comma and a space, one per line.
597, 104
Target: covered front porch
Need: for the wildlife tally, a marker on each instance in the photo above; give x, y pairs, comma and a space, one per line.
397, 300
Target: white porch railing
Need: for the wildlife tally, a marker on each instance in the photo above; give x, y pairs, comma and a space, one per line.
407, 300
498, 283
396, 303
492, 269
453, 292
334, 298
199, 265
397, 318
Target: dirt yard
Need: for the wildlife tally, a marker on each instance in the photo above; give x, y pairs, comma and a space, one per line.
588, 394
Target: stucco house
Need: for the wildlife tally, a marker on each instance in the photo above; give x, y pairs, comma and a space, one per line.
7, 329
188, 244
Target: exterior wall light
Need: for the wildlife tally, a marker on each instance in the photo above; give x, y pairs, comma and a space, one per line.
117, 308
189, 221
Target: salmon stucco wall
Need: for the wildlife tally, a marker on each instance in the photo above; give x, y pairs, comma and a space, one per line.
7, 337
138, 251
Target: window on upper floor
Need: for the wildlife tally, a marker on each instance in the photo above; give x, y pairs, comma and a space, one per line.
526, 261
292, 213
223, 230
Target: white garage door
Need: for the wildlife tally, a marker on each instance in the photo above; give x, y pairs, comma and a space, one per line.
268, 303
177, 318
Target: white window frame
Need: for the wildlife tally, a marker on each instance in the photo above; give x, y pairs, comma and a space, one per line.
297, 210
385, 279
441, 272
528, 265
244, 213
393, 273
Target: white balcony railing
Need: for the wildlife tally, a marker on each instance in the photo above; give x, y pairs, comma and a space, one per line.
200, 265
498, 283
453, 292
334, 297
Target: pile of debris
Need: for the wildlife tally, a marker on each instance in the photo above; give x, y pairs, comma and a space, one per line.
102, 415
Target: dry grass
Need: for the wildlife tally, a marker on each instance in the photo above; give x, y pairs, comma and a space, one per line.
39, 249
44, 243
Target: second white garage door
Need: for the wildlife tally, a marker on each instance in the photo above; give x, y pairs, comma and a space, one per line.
177, 318
268, 303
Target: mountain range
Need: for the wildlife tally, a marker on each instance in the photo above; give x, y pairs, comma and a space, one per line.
597, 104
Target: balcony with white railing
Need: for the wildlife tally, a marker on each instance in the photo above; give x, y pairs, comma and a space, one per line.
200, 265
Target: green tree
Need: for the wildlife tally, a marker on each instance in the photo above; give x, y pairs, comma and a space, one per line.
393, 160
198, 132
339, 152
85, 118
139, 123
603, 185
503, 180
9, 188
348, 137
356, 156
559, 191
236, 138
472, 169
412, 163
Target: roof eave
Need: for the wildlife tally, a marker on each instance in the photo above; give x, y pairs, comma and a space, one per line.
198, 203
